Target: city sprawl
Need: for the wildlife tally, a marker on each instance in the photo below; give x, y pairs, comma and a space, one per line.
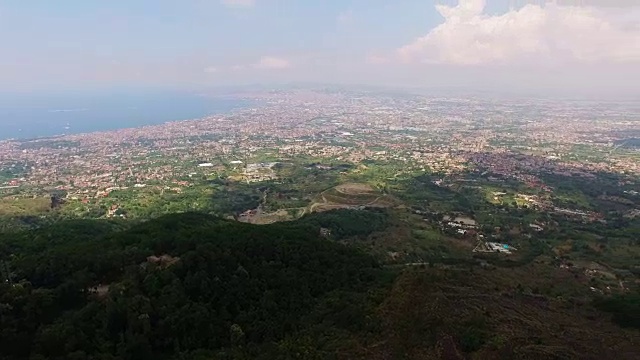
512, 209
440, 135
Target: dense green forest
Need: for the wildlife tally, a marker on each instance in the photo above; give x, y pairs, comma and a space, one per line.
195, 286
90, 289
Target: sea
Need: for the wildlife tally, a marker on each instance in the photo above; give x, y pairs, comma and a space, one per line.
28, 116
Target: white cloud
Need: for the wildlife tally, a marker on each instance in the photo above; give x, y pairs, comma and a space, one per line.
345, 17
533, 34
271, 62
377, 59
264, 63
607, 3
238, 3
211, 69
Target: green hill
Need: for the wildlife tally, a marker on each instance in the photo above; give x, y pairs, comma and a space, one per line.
194, 286
218, 288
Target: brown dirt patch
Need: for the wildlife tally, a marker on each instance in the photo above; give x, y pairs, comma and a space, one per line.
355, 189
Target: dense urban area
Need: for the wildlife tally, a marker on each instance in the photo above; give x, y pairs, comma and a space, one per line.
436, 227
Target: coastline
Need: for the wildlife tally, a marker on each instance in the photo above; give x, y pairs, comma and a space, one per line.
100, 115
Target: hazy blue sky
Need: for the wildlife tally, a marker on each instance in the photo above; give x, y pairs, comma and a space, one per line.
76, 44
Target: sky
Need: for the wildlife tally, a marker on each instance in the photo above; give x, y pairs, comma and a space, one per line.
563, 46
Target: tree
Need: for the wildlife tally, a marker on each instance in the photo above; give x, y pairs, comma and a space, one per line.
236, 335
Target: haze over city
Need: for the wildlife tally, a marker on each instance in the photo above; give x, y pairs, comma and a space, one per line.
552, 47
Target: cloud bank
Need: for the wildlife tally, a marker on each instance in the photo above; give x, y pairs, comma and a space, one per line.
271, 62
238, 3
263, 64
345, 17
533, 34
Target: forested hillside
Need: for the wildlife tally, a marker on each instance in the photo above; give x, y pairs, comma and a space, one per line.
179, 286
194, 286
